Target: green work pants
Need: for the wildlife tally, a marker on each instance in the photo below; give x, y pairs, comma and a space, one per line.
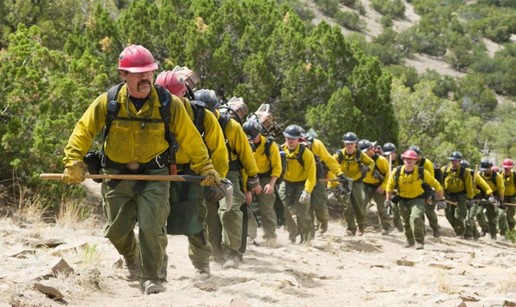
396, 217
379, 199
297, 216
318, 203
412, 211
199, 247
511, 211
225, 226
471, 230
456, 215
356, 207
150, 208
268, 215
432, 216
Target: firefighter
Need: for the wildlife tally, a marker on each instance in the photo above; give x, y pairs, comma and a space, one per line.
408, 181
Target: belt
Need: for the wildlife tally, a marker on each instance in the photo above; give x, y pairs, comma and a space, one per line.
158, 162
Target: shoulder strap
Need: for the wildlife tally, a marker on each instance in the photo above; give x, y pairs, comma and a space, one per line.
164, 110
423, 160
396, 176
198, 108
340, 156
422, 173
112, 109
267, 147
461, 174
299, 157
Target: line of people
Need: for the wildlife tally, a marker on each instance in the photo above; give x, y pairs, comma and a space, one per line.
169, 127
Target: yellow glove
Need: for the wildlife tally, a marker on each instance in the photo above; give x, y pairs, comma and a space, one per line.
74, 173
212, 177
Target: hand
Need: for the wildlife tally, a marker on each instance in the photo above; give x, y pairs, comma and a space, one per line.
492, 199
268, 189
388, 208
253, 184
343, 177
74, 173
502, 206
380, 190
248, 197
212, 177
441, 204
304, 199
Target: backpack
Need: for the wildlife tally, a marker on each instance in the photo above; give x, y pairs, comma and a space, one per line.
447, 171
223, 122
164, 110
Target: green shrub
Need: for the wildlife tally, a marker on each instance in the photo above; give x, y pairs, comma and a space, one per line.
394, 8
349, 20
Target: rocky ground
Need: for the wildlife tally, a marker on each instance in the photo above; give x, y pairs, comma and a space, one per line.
69, 262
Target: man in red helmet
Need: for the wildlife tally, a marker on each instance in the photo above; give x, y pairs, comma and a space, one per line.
136, 144
191, 193
408, 181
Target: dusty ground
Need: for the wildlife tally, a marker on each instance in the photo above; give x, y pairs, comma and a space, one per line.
335, 270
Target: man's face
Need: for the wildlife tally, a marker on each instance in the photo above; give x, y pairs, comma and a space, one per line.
409, 162
139, 84
455, 164
292, 143
350, 147
506, 171
370, 152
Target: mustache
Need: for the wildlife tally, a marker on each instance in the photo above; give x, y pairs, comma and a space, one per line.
144, 82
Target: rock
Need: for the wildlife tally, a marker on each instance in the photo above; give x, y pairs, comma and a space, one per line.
49, 243
50, 292
61, 267
22, 253
60, 250
405, 262
440, 265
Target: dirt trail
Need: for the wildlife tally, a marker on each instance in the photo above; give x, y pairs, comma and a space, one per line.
335, 270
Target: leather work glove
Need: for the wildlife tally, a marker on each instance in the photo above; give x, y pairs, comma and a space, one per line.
492, 199
74, 173
212, 176
441, 204
343, 177
502, 206
253, 184
388, 208
304, 199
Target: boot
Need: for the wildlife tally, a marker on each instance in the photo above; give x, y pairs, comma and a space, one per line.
151, 287
420, 245
131, 268
324, 227
202, 272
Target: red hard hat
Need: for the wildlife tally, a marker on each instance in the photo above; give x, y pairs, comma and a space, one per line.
508, 163
410, 154
136, 59
173, 82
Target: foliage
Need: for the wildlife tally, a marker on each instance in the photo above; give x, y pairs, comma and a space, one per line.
433, 123
350, 20
394, 8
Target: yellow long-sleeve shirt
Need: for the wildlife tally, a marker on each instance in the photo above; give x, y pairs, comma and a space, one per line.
213, 138
495, 182
427, 165
319, 149
382, 165
510, 184
240, 150
132, 141
266, 163
409, 184
296, 172
453, 183
350, 166
480, 184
